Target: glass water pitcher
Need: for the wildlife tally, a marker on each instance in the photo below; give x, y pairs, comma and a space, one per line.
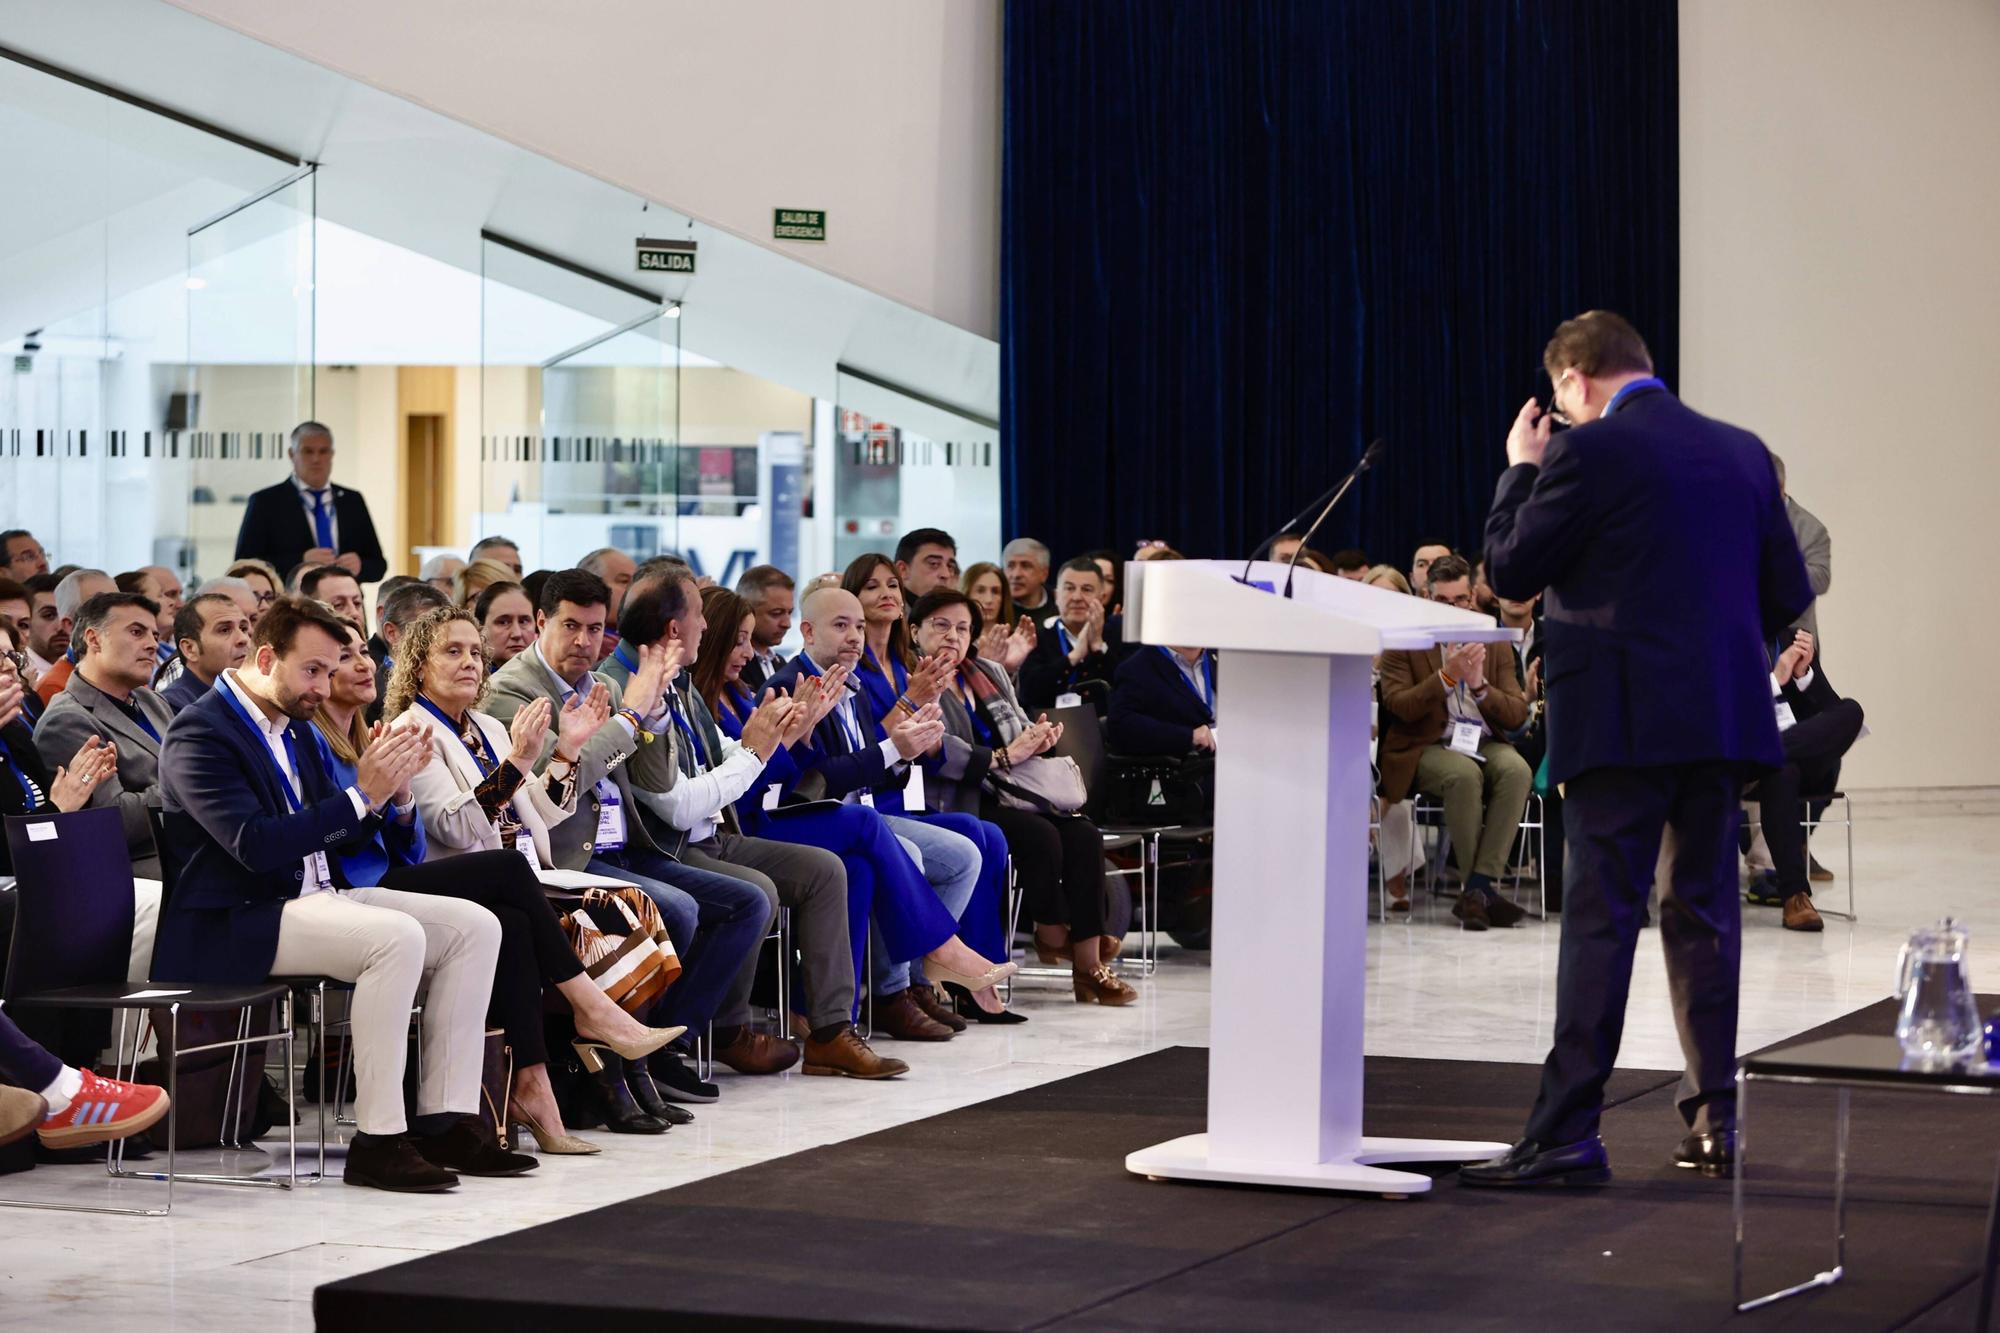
1939, 1020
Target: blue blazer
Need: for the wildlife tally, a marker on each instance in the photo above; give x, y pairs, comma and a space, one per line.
1153, 709
236, 842
275, 528
1661, 539
826, 750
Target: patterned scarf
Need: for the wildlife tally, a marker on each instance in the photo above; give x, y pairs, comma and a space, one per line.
994, 701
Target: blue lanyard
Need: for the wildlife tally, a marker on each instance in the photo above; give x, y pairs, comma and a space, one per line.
687, 728
1618, 399
483, 756
1206, 696
264, 748
27, 787
980, 728
624, 657
1062, 637
850, 726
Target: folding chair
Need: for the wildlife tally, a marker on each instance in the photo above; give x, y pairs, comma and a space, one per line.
1813, 823
71, 950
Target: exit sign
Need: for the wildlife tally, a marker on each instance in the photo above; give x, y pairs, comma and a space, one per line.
666, 257
799, 224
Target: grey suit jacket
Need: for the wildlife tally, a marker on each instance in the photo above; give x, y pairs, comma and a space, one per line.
1816, 545
573, 842
81, 710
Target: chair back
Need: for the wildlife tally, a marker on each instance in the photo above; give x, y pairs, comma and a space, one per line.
170, 864
73, 892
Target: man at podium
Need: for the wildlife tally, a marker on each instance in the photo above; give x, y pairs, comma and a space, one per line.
1661, 539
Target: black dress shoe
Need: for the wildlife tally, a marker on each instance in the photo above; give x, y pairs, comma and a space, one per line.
1528, 1163
968, 1008
676, 1082
1502, 913
391, 1162
647, 1093
1712, 1154
469, 1150
613, 1099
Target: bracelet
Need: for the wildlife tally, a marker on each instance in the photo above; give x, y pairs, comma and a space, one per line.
639, 731
1445, 676
560, 758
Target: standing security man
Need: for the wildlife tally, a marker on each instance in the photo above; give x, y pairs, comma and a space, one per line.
307, 520
1662, 541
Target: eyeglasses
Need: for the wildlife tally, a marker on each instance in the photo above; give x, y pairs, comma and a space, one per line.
1560, 417
954, 628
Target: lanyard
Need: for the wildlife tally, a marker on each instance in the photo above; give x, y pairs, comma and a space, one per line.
483, 757
626, 658
1618, 399
27, 787
291, 790
849, 726
1206, 692
980, 727
1062, 637
137, 716
687, 728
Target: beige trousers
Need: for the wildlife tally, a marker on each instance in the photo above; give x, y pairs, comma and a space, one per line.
388, 944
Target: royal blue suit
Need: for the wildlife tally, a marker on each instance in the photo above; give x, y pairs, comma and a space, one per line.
1661, 541
237, 843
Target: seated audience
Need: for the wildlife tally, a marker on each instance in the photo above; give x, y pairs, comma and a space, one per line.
67, 1107
531, 584
1163, 702
616, 569
264, 583
717, 922
72, 591
884, 884
16, 621
1060, 858
1027, 565
477, 577
440, 571
16, 611
1816, 728
1351, 563
1484, 599
1282, 549
21, 556
1148, 551
481, 812
108, 698
213, 634
157, 583
926, 558
1079, 645
866, 758
1420, 564
26, 782
403, 607
986, 585
501, 550
339, 589
48, 635
1111, 573
769, 592
1441, 707
506, 622
1390, 577
254, 823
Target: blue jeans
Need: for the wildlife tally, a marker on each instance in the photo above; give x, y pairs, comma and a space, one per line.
951, 862
715, 921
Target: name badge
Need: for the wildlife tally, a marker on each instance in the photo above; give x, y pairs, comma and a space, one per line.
771, 796
866, 798
1069, 700
1465, 738
913, 795
316, 867
610, 818
1785, 719
524, 843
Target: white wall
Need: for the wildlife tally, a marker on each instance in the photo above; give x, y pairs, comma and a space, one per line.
1840, 179
885, 113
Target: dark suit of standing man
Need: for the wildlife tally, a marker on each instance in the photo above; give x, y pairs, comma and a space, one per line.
1662, 541
307, 520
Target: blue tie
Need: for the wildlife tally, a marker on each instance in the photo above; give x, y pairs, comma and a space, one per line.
322, 520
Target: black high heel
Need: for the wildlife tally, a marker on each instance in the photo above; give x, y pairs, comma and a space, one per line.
613, 1097
639, 1080
968, 1008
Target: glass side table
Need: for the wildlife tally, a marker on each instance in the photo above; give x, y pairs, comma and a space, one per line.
1846, 1063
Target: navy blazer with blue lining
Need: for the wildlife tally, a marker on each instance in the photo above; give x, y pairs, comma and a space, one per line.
825, 751
237, 843
1662, 541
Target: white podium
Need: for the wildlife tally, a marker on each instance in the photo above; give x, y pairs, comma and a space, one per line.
1291, 868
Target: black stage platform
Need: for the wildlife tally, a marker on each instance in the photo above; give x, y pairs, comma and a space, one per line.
1017, 1213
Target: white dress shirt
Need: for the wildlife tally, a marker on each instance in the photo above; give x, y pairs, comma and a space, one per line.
316, 876
695, 804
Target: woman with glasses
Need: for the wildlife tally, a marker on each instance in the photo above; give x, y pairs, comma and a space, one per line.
1060, 858
264, 584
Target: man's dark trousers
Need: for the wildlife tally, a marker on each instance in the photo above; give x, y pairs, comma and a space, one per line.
1614, 818
1814, 747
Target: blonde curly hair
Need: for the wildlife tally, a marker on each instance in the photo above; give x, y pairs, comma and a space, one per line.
414, 647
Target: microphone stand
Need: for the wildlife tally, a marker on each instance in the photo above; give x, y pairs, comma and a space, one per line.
1368, 457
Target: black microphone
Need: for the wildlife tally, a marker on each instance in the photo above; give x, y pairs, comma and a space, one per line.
1369, 457
1284, 528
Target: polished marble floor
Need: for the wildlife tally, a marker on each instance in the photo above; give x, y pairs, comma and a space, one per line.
249, 1259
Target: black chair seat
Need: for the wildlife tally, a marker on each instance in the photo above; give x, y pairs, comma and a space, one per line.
119, 996
313, 983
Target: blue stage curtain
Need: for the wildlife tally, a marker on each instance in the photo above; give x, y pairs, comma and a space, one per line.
1241, 238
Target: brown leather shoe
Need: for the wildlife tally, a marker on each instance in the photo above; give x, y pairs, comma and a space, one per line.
20, 1112
898, 1016
850, 1057
1800, 914
758, 1053
1470, 909
935, 1009
1816, 872
1101, 986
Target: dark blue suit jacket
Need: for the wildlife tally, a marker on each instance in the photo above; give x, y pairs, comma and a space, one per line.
186, 689
275, 528
827, 752
1661, 539
236, 842
1153, 711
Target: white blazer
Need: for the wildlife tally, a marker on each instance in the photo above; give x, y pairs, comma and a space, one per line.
454, 821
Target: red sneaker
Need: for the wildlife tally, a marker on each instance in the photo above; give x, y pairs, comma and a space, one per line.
104, 1110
